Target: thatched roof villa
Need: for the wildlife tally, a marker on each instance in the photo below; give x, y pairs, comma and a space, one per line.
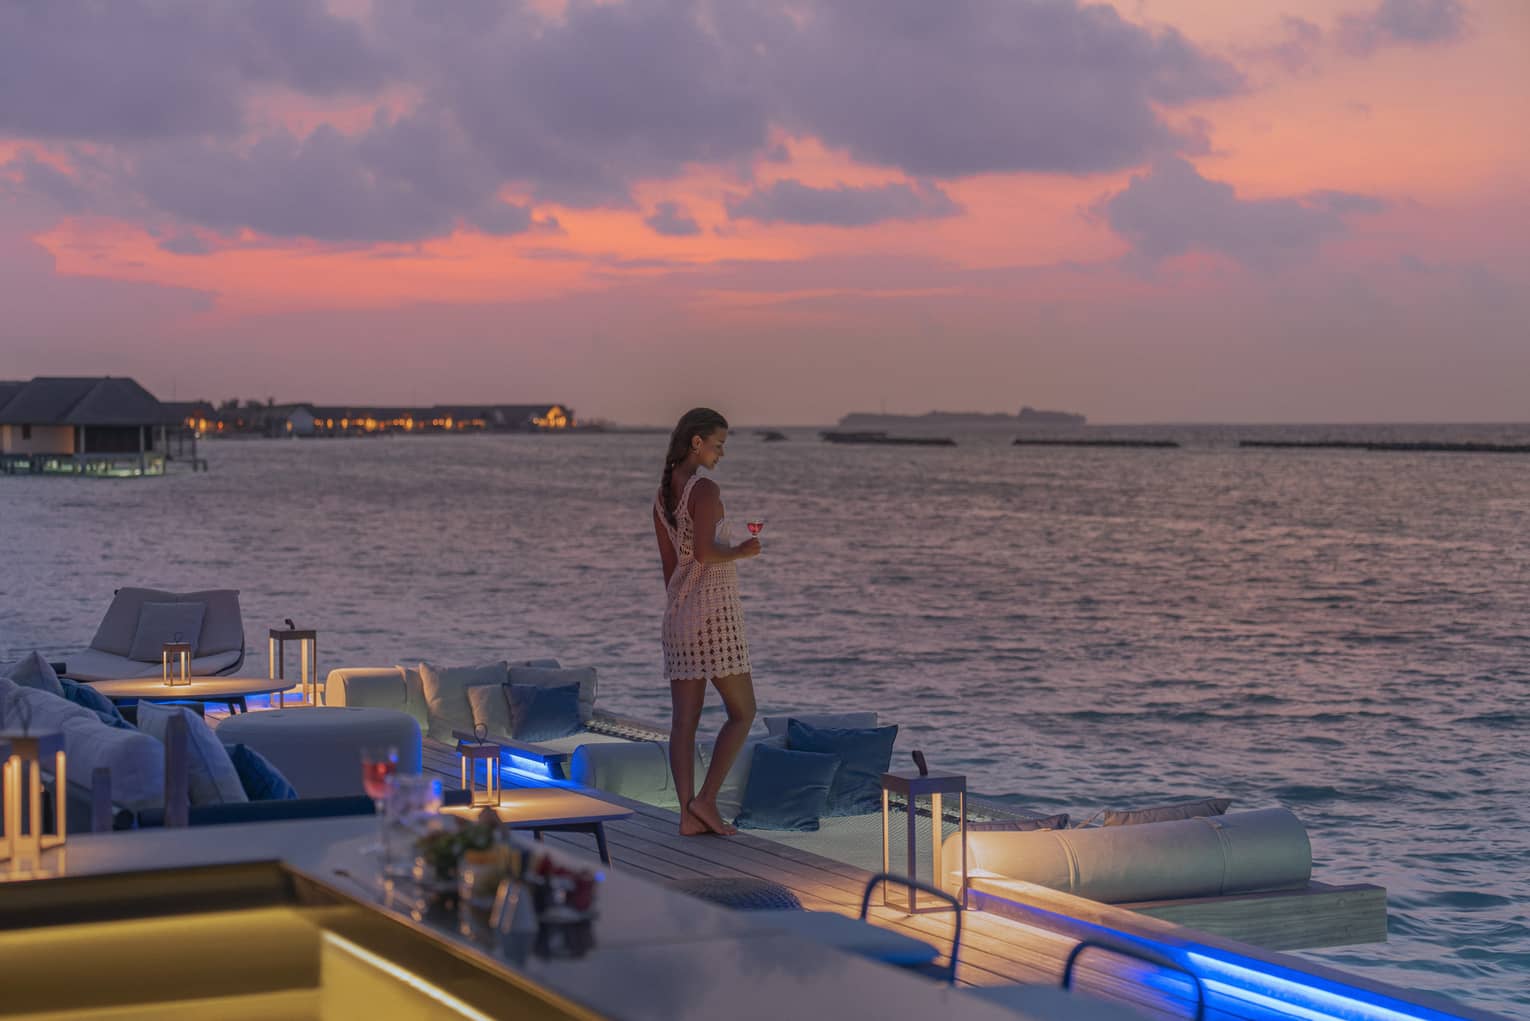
92, 424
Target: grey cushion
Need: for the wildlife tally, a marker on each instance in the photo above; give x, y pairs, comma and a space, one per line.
213, 780
553, 677
776, 725
446, 694
1050, 822
844, 933
222, 623
93, 665
730, 797
1168, 813
159, 623
741, 893
319, 749
36, 672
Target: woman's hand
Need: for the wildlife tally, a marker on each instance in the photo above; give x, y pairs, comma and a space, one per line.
748, 548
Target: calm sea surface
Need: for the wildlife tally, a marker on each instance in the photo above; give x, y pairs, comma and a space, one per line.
1343, 633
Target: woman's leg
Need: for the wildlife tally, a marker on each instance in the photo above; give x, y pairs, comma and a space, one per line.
687, 698
737, 693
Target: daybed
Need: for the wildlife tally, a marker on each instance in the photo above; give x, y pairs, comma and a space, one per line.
140, 620
1244, 875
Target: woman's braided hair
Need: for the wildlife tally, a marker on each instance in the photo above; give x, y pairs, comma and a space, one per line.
701, 422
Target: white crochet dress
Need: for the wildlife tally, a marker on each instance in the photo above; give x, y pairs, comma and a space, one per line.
703, 621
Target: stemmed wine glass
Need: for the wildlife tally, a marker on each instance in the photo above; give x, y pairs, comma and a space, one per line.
378, 765
755, 526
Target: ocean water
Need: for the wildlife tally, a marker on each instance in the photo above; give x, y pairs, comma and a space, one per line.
1346, 634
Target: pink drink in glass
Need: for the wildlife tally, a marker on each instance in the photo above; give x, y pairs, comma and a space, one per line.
376, 768
756, 526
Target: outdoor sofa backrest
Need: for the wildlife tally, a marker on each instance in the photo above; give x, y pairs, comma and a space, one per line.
222, 623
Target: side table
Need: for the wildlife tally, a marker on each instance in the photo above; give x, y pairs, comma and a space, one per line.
308, 664
912, 786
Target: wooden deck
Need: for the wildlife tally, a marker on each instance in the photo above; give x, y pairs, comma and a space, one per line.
649, 844
1025, 942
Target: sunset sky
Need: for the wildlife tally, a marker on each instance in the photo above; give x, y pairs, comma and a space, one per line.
1165, 210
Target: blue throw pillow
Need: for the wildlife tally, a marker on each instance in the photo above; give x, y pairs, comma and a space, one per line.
864, 756
786, 790
90, 698
261, 780
543, 713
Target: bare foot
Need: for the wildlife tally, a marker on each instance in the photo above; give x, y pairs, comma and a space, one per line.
707, 812
690, 826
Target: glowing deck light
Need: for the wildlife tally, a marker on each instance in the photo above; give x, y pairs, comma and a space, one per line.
1228, 975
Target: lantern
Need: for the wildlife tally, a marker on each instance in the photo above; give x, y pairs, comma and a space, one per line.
178, 655
912, 786
22, 839
472, 752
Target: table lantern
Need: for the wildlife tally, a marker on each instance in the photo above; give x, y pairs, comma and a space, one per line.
176, 657
472, 752
22, 839
912, 786
307, 640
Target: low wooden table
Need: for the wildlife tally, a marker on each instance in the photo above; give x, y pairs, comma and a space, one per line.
553, 810
229, 691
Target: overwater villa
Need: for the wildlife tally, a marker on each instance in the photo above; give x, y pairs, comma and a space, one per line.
327, 420
92, 425
212, 855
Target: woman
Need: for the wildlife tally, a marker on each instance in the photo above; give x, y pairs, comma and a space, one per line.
703, 622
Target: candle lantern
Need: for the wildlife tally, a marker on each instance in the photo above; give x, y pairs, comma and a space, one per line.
472, 753
913, 786
25, 755
176, 657
307, 640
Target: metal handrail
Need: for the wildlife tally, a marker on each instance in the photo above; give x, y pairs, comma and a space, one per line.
1142, 954
934, 891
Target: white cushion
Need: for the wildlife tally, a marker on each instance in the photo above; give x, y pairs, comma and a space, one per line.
446, 694
213, 780
135, 761
94, 665
776, 725
1199, 857
159, 623
377, 688
36, 672
552, 677
633, 769
491, 711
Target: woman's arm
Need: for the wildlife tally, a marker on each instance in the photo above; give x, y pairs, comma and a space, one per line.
706, 512
667, 552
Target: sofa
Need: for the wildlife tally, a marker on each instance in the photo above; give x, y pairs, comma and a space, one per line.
133, 758
443, 703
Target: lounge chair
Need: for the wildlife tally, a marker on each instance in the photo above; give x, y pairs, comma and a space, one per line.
218, 648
